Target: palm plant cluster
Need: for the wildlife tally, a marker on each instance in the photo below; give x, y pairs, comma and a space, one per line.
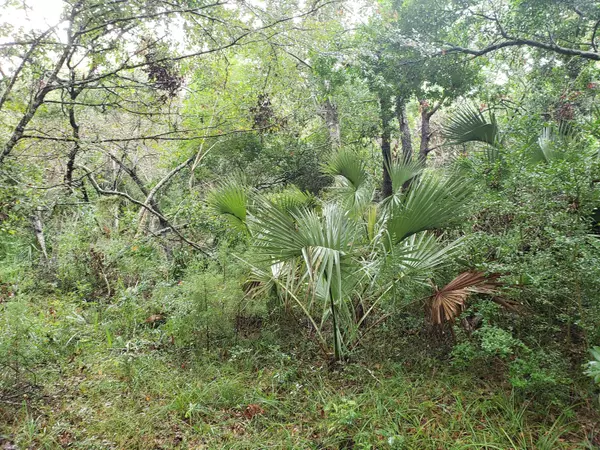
332, 256
328, 257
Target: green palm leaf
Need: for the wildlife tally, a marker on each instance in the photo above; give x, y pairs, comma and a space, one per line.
351, 184
554, 141
230, 199
291, 199
432, 203
422, 253
275, 231
348, 168
469, 124
324, 243
401, 173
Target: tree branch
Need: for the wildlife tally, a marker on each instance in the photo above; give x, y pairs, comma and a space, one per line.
594, 56
101, 191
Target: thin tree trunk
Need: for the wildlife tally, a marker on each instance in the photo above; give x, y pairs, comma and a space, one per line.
405, 137
38, 229
425, 133
426, 115
386, 138
46, 86
330, 114
75, 132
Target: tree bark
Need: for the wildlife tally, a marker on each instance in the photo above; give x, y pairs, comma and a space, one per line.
405, 137
38, 229
426, 115
386, 138
330, 114
425, 133
75, 133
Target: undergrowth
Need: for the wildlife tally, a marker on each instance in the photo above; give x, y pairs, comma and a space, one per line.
103, 376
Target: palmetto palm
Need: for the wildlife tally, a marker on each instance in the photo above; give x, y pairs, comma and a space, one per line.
469, 125
328, 260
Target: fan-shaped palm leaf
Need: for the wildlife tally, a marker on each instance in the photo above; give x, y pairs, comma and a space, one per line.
324, 243
446, 304
421, 253
432, 202
469, 124
347, 165
291, 199
230, 199
351, 180
553, 141
402, 172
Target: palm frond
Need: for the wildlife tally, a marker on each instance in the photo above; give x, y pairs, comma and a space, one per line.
230, 199
554, 141
422, 253
550, 144
351, 182
324, 243
446, 304
291, 199
348, 168
469, 124
433, 202
401, 172
275, 232
371, 222
320, 239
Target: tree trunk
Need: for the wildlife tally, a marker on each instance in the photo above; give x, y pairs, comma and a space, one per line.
425, 132
405, 137
46, 86
75, 133
330, 114
426, 115
38, 229
386, 137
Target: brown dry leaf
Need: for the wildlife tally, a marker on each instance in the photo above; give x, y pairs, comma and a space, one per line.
65, 439
446, 304
253, 410
155, 319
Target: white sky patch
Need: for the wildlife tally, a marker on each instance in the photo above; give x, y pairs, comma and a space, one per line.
40, 15
37, 15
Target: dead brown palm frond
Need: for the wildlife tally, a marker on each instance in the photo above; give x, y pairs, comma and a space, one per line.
446, 304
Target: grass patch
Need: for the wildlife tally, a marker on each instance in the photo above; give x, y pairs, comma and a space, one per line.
108, 380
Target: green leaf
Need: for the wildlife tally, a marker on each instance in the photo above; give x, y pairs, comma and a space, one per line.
433, 202
231, 200
468, 124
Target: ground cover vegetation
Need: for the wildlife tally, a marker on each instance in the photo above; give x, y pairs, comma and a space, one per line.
300, 224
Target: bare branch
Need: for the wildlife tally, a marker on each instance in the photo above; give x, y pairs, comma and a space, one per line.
101, 191
594, 56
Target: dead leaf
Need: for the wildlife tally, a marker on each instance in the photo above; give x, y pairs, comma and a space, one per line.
253, 410
446, 304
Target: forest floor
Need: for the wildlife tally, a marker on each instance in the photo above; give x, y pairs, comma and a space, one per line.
127, 385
